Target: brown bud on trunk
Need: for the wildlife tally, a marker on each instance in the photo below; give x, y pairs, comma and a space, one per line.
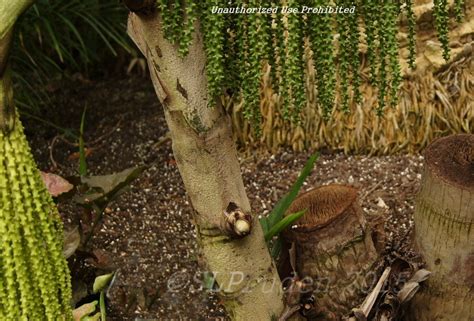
236, 223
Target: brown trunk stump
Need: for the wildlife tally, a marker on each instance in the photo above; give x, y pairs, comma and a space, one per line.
334, 248
444, 216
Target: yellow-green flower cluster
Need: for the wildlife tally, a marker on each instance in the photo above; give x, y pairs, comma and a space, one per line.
34, 277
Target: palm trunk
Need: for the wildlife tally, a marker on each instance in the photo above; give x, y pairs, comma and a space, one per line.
334, 247
207, 161
9, 13
444, 218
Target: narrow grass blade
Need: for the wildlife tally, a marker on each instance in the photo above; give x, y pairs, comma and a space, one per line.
283, 224
276, 248
283, 204
82, 153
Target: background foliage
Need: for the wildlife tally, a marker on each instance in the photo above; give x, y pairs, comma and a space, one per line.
57, 39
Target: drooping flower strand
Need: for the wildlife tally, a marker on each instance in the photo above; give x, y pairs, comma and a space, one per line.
213, 45
177, 14
344, 63
294, 66
321, 39
458, 9
411, 33
382, 81
369, 8
258, 40
393, 51
441, 15
172, 17
191, 14
354, 40
280, 29
273, 49
241, 46
231, 57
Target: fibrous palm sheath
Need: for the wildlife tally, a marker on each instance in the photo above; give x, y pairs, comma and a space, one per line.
34, 277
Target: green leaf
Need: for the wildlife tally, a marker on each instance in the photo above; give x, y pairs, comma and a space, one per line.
283, 224
280, 208
264, 223
94, 24
54, 41
82, 153
103, 311
276, 248
77, 34
101, 282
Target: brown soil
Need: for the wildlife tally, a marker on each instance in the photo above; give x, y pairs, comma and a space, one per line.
147, 235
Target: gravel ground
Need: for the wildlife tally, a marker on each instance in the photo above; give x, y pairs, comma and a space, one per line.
147, 235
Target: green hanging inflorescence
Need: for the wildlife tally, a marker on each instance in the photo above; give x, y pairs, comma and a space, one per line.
354, 53
273, 47
239, 43
178, 22
441, 13
294, 70
34, 276
344, 61
383, 48
188, 27
458, 9
391, 19
369, 9
214, 45
348, 53
411, 33
231, 50
256, 43
279, 31
171, 19
382, 79
321, 42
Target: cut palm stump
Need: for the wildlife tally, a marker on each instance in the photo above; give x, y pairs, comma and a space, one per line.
444, 215
334, 249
